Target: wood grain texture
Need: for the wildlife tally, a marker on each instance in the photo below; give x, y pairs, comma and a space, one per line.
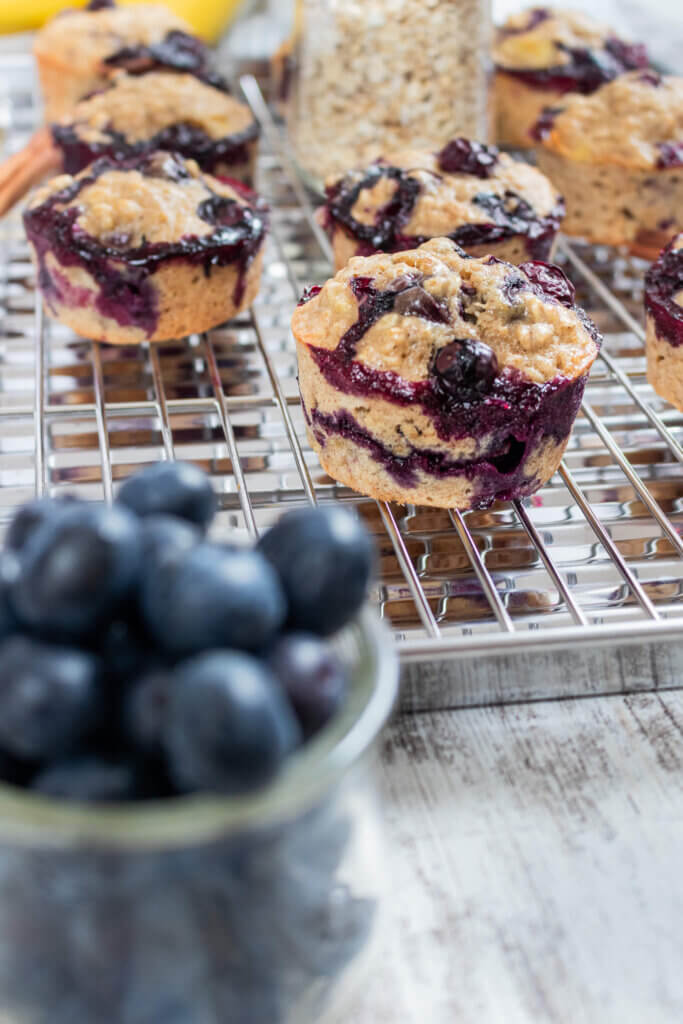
537, 865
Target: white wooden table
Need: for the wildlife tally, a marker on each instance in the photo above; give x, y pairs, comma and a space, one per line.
536, 854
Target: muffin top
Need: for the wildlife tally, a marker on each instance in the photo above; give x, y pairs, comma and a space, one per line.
664, 292
396, 312
142, 204
636, 121
540, 39
139, 107
84, 39
414, 195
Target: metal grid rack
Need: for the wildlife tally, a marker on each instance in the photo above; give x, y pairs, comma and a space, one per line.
593, 559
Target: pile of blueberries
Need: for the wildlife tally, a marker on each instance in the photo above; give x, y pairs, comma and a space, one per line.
139, 659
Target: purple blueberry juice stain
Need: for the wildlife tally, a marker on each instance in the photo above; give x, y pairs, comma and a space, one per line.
509, 215
499, 473
309, 293
585, 70
189, 140
663, 281
343, 195
545, 123
177, 51
537, 15
125, 292
670, 155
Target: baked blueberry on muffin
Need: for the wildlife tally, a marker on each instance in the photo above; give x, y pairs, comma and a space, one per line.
479, 197
147, 249
435, 378
78, 51
664, 323
540, 54
617, 157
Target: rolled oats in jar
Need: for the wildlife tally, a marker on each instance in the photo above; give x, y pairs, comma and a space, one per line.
379, 75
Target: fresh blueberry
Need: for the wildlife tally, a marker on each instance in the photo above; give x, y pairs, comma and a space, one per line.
145, 710
178, 489
466, 367
75, 569
324, 558
9, 568
125, 648
313, 678
552, 281
229, 725
87, 778
32, 515
213, 596
164, 537
48, 700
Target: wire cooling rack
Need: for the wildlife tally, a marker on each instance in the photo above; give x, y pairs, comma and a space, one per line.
592, 561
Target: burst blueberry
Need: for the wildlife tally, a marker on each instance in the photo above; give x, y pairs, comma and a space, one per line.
466, 368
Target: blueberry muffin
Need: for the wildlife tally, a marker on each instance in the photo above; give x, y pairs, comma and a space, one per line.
140, 114
541, 54
617, 157
161, 110
435, 378
147, 249
78, 51
479, 197
664, 323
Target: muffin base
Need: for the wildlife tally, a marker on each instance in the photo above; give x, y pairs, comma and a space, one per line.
613, 205
352, 465
186, 300
517, 109
664, 365
355, 437
512, 250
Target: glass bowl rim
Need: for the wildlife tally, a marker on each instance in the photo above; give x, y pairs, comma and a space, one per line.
32, 820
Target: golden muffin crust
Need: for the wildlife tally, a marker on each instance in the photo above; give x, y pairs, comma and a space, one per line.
140, 106
526, 41
83, 39
446, 201
540, 338
137, 206
623, 123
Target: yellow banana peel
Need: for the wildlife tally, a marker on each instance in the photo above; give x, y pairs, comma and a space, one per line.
208, 18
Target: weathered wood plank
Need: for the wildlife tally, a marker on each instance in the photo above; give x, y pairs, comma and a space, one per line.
537, 860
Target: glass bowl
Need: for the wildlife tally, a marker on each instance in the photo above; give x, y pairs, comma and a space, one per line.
204, 910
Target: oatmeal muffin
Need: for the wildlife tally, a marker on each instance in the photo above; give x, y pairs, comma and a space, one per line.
132, 115
78, 50
664, 323
435, 378
541, 54
161, 110
481, 198
617, 157
147, 249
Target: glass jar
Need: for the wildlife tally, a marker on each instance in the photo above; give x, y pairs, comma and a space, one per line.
256, 909
375, 76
